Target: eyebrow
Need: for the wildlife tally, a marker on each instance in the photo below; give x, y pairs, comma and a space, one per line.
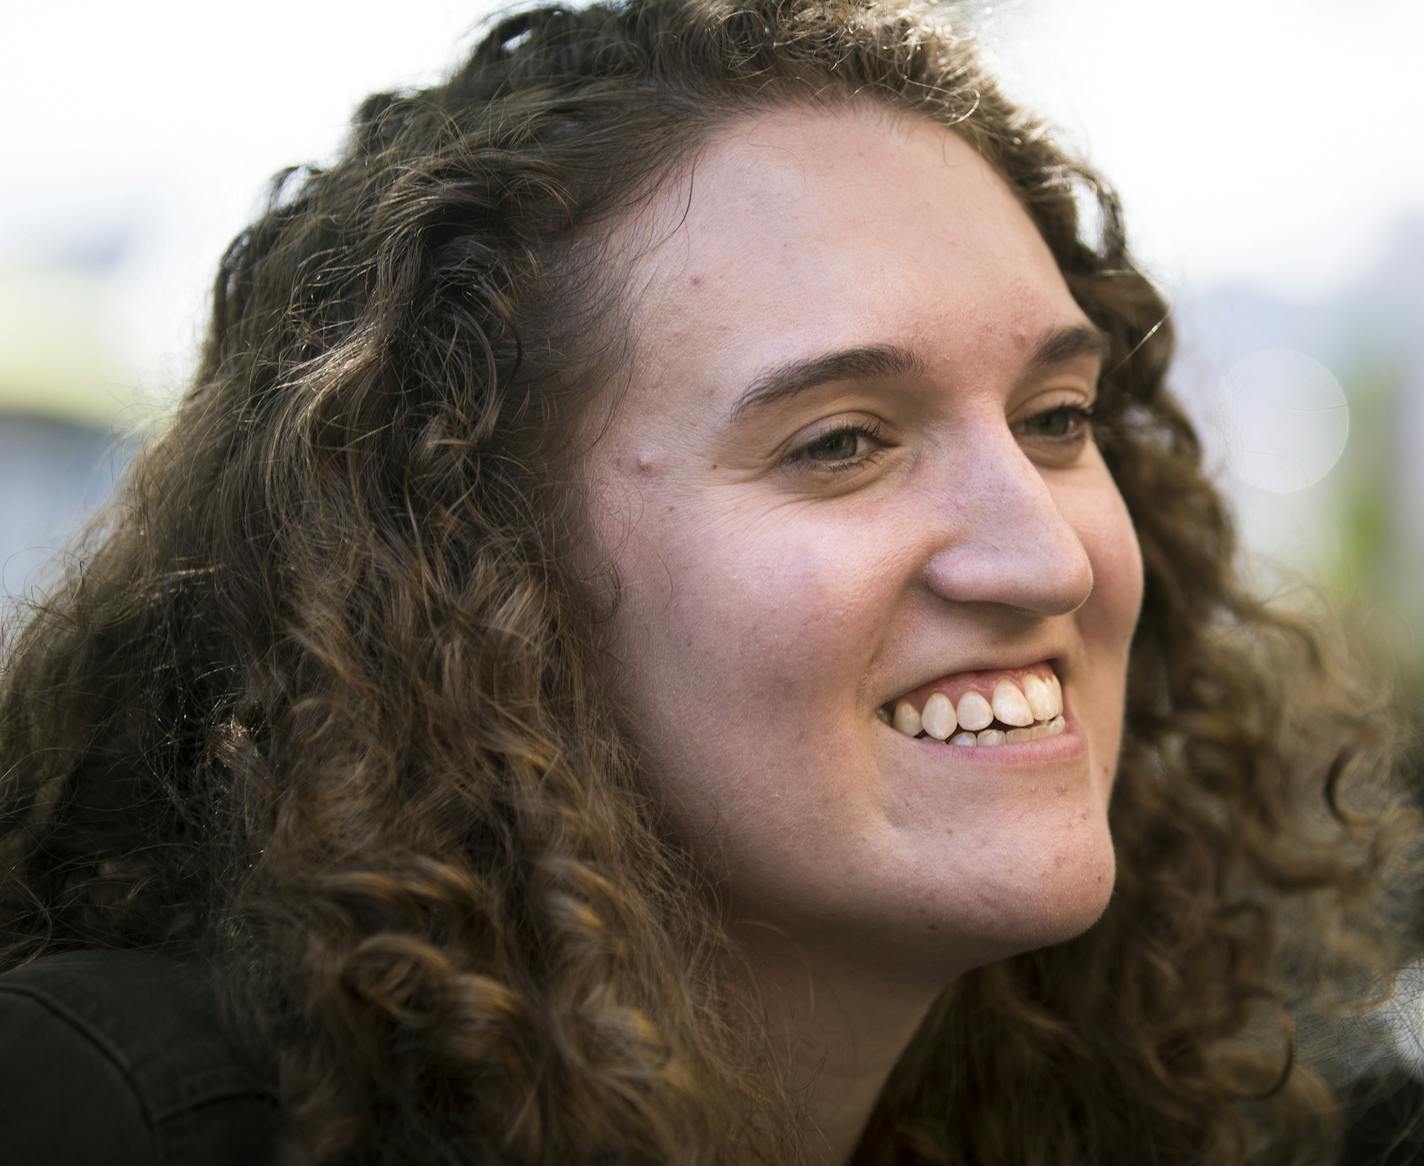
781, 382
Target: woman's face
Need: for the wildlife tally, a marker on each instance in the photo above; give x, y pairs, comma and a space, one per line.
787, 581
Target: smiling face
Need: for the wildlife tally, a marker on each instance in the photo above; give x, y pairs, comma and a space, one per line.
920, 508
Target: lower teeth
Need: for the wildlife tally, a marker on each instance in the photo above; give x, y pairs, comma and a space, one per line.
1031, 732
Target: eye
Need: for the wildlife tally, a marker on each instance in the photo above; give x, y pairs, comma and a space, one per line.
1062, 425
835, 451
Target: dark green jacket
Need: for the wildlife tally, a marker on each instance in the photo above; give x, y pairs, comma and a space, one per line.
115, 1058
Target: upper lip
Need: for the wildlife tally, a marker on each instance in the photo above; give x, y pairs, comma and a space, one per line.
1055, 657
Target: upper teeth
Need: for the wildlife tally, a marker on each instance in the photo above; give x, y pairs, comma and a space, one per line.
1038, 703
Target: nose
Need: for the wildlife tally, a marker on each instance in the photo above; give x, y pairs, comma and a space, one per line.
1005, 532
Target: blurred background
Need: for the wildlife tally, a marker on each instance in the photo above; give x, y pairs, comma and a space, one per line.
1267, 152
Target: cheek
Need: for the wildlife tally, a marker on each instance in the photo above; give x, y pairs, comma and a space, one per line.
737, 632
1109, 620
765, 603
741, 642
1111, 542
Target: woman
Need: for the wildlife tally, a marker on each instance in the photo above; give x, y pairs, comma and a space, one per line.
678, 622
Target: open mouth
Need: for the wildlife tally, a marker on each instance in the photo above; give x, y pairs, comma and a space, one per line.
979, 709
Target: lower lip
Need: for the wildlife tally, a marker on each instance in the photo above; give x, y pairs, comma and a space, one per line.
1069, 745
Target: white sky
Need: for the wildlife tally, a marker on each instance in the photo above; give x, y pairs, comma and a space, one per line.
1267, 142
1270, 141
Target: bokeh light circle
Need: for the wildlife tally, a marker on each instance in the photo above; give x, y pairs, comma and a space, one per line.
1287, 420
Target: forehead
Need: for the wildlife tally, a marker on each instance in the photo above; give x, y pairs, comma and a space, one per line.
801, 229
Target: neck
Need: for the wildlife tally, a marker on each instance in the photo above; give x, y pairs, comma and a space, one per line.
841, 1029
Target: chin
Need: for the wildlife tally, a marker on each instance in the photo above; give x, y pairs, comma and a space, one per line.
1070, 897
1042, 896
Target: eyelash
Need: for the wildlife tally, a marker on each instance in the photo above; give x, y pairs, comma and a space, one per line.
800, 458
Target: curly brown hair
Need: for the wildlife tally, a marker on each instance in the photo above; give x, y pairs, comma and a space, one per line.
317, 702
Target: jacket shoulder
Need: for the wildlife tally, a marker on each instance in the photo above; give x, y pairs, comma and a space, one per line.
118, 1057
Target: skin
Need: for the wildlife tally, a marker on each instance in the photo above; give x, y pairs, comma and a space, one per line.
769, 606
